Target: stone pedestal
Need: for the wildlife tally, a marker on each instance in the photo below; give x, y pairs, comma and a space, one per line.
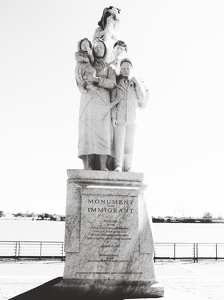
108, 239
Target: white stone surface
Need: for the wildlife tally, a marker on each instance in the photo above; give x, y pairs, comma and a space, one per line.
106, 177
108, 236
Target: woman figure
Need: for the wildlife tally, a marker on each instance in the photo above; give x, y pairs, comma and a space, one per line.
95, 130
108, 29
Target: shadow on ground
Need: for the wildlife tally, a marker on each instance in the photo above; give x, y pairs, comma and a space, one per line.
47, 292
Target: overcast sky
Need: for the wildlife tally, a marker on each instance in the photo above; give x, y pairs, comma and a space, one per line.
177, 49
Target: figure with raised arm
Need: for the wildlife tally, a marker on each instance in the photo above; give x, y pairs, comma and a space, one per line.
108, 29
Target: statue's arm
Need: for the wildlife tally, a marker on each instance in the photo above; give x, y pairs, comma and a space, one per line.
110, 28
114, 108
142, 92
80, 58
99, 33
110, 81
91, 59
107, 82
138, 89
90, 55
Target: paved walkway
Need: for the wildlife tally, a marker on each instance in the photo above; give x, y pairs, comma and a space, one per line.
191, 281
182, 280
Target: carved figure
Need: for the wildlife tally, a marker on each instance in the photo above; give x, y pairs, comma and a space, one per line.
108, 29
120, 51
95, 134
129, 94
85, 60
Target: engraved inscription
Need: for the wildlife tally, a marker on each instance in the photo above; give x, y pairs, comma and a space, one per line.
109, 227
110, 206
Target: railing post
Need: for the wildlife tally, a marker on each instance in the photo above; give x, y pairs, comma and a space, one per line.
16, 250
216, 251
174, 251
62, 250
194, 251
154, 256
40, 250
197, 252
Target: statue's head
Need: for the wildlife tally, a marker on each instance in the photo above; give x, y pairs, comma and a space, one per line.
114, 11
107, 12
125, 67
99, 49
120, 49
83, 44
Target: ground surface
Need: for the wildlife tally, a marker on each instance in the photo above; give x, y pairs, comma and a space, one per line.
181, 279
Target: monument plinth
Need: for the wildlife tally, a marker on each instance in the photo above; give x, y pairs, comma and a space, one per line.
108, 239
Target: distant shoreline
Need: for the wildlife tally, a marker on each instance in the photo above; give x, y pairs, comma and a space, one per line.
26, 219
154, 220
186, 220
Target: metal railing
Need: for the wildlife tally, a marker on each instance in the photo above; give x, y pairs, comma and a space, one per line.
34, 249
43, 250
193, 251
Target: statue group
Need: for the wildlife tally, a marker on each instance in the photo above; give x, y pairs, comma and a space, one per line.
110, 96
108, 238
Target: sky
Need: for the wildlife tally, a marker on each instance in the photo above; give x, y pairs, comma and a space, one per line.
177, 49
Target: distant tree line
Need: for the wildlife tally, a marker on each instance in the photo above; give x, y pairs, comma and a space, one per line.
42, 216
207, 218
54, 217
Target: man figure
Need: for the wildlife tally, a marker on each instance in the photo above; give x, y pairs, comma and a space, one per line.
129, 94
120, 51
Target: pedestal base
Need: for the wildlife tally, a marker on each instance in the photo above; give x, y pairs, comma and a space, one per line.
116, 289
108, 238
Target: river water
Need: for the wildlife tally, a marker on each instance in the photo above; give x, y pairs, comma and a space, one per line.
28, 230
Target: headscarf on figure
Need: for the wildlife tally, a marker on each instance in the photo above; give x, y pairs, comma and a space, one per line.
95, 129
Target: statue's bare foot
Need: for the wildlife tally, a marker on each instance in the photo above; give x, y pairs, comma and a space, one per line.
88, 168
117, 169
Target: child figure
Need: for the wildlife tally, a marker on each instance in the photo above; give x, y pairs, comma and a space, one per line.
85, 60
120, 51
129, 94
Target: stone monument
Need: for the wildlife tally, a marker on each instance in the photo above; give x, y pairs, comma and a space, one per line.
108, 238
